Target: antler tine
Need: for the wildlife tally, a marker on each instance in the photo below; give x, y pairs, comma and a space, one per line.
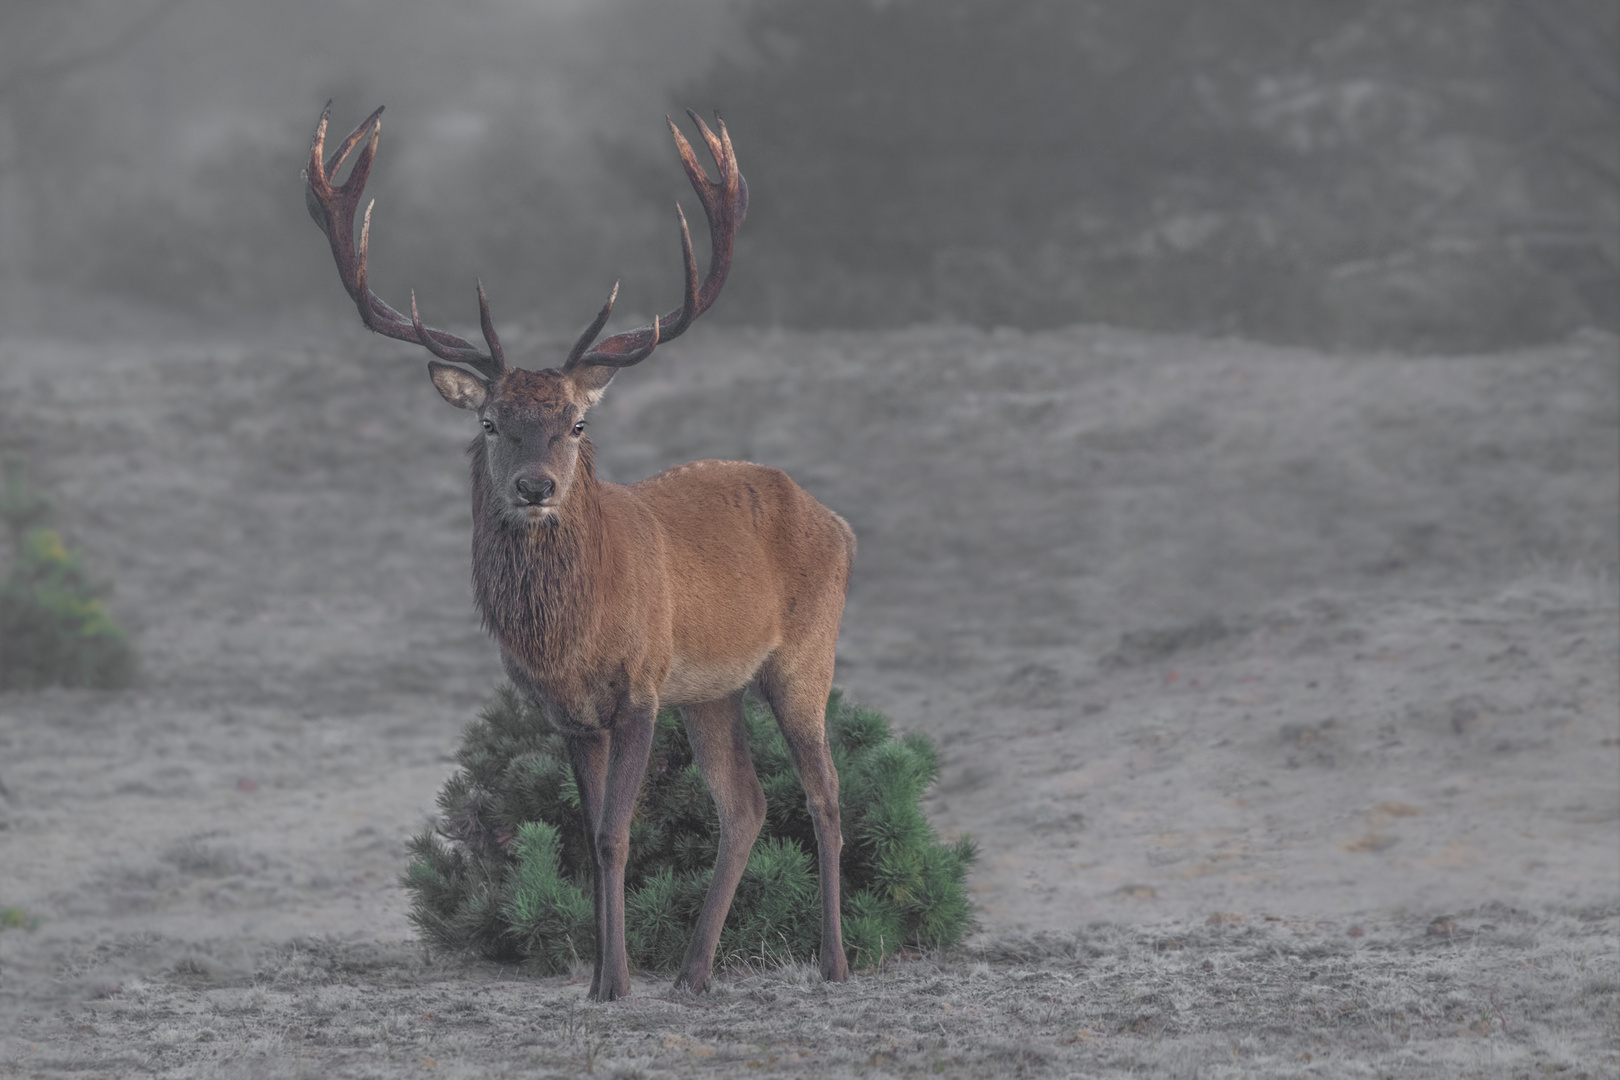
689, 309
421, 332
328, 168
487, 325
315, 171
725, 204
333, 209
360, 292
719, 149
320, 173
592, 330
362, 164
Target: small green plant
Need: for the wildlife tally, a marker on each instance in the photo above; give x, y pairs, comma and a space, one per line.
15, 918
506, 873
54, 629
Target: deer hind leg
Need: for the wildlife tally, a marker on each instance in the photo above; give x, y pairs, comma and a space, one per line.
627, 748
798, 697
719, 738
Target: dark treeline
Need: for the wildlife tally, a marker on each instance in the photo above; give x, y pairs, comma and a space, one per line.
1368, 173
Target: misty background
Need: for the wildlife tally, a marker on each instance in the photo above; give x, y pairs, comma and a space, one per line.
1226, 397
1364, 174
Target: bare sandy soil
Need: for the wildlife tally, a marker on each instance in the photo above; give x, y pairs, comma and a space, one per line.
1280, 690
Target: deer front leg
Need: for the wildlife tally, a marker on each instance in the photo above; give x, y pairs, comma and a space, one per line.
719, 739
628, 749
589, 754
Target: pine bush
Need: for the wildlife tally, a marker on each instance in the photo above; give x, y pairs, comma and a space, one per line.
506, 873
54, 629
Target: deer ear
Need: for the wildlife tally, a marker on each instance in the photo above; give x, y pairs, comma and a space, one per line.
591, 382
460, 388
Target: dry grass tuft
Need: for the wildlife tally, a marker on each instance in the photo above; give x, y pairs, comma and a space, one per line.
1504, 992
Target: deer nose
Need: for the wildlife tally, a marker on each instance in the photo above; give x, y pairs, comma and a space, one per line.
535, 492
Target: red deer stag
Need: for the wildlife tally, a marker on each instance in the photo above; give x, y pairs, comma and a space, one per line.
610, 600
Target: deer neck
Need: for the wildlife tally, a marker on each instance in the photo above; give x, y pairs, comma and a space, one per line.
534, 584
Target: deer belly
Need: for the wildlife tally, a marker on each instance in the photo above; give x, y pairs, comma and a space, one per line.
692, 680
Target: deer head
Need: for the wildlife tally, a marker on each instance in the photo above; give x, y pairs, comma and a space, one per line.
533, 421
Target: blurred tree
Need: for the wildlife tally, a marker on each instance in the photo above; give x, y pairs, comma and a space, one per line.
1291, 171
1366, 173
1563, 59
174, 180
37, 54
32, 32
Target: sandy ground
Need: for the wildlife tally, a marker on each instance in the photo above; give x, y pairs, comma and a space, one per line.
1280, 690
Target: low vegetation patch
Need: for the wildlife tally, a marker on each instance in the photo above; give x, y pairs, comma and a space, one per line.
54, 629
15, 918
507, 873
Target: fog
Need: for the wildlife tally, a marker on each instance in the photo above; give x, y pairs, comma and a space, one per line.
203, 75
202, 112
1225, 397
1367, 175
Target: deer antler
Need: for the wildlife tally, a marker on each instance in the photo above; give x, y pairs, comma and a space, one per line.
725, 204
333, 209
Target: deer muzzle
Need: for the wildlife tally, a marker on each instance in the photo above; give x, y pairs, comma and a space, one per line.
535, 492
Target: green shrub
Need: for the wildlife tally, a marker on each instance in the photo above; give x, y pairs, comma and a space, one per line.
507, 873
15, 918
54, 629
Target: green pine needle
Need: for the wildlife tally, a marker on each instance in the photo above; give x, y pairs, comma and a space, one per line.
507, 874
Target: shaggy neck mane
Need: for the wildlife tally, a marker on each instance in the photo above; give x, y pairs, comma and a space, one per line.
533, 582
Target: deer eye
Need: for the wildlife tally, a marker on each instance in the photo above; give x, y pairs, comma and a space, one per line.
579, 429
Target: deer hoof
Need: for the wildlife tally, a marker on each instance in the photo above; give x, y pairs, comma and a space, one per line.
610, 991
693, 983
